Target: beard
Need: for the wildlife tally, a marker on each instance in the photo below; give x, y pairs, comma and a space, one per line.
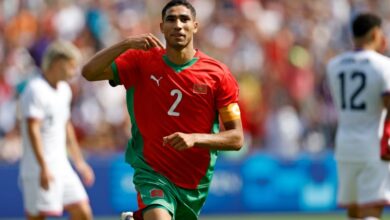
178, 46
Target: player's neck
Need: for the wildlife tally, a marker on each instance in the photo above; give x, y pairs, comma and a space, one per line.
180, 56
50, 79
364, 46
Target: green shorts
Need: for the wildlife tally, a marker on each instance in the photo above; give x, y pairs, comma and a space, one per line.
155, 190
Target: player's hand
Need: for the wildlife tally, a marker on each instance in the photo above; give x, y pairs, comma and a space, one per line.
179, 141
45, 178
385, 150
144, 42
87, 174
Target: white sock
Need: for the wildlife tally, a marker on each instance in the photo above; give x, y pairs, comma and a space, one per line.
371, 218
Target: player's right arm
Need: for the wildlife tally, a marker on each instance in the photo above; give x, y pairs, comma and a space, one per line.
386, 104
385, 149
34, 133
98, 67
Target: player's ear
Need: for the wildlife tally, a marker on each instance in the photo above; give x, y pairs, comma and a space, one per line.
196, 24
162, 27
383, 45
375, 34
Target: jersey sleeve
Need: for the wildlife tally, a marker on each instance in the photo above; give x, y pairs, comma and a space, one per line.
125, 68
31, 104
227, 92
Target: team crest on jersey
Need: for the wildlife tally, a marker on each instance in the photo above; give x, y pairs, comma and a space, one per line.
156, 193
200, 88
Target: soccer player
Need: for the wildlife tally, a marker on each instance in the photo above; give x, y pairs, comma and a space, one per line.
175, 97
359, 81
49, 183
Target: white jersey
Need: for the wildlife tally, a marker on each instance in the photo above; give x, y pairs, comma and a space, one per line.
52, 106
357, 80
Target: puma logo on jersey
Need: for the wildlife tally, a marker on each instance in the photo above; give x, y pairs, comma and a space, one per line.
152, 77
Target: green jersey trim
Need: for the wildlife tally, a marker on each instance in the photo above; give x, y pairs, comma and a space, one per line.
134, 149
116, 73
206, 180
178, 68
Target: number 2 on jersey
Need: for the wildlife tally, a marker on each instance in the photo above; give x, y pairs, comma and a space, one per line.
351, 101
171, 110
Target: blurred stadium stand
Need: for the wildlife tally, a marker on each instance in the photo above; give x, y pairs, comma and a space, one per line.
277, 50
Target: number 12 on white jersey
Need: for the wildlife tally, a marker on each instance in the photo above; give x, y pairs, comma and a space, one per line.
351, 87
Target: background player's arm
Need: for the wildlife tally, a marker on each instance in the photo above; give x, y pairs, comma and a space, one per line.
385, 149
232, 138
386, 104
74, 150
34, 133
98, 67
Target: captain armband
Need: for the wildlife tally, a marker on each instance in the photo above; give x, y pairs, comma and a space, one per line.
230, 112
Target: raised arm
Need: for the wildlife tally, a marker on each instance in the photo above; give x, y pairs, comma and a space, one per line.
98, 66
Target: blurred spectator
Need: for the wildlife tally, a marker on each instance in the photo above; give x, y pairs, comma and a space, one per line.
276, 49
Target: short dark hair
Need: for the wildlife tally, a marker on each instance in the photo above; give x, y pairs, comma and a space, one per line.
364, 23
173, 3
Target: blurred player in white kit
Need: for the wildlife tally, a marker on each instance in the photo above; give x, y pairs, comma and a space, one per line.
359, 82
49, 183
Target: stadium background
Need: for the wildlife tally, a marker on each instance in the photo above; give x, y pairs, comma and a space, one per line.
277, 50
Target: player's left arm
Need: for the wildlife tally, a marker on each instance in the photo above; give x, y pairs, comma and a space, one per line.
386, 104
384, 142
232, 138
81, 165
385, 150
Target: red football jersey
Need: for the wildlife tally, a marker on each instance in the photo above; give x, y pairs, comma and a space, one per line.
164, 98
